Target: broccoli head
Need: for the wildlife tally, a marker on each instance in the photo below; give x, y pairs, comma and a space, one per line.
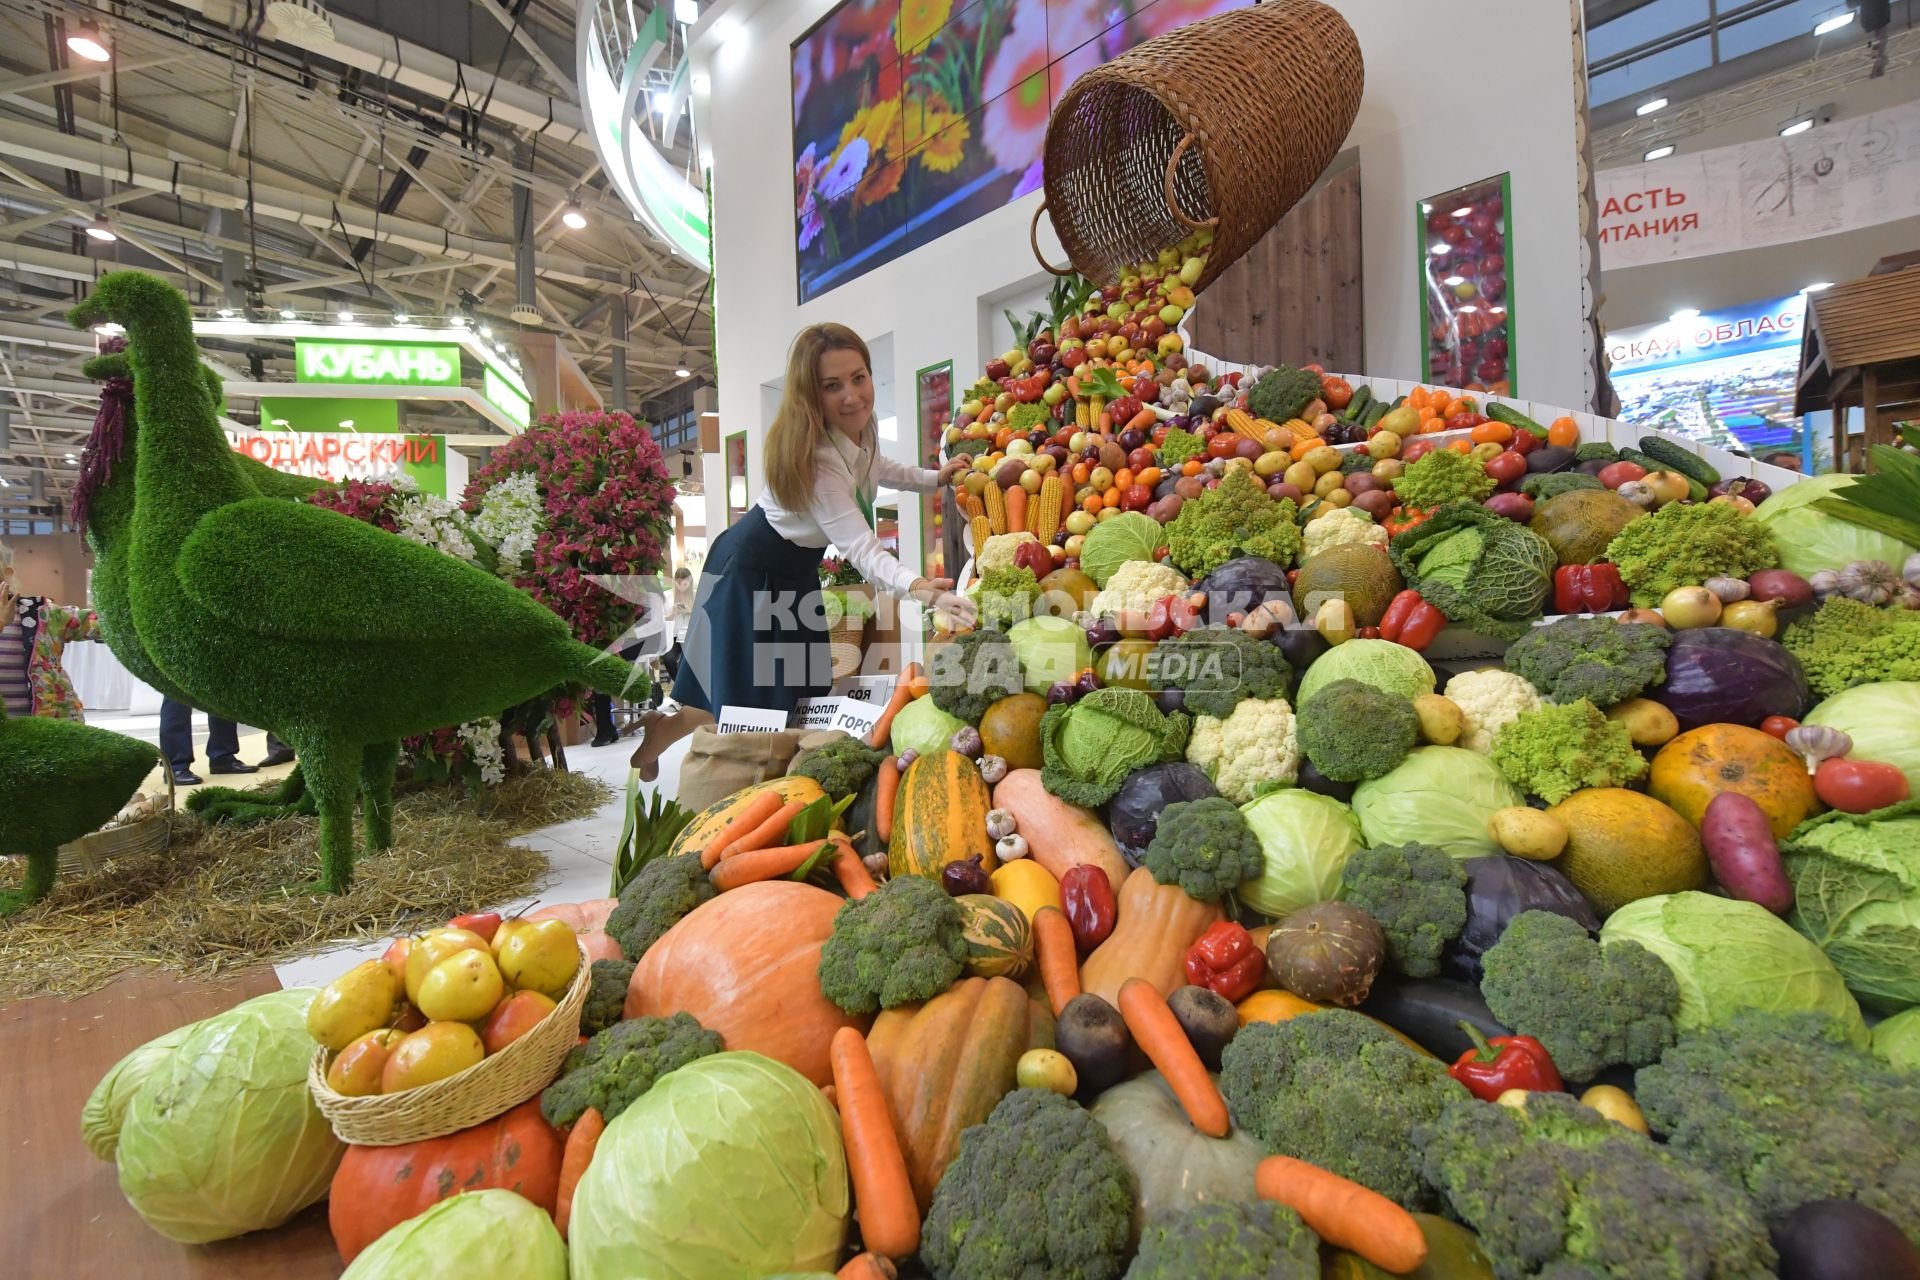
1551, 484
1590, 1006
1216, 668
841, 767
1560, 1192
1785, 1106
606, 1004
1338, 1090
973, 672
1228, 1240
1234, 518
1205, 847
654, 900
1598, 659
623, 1062
905, 941
1353, 731
1035, 1191
1283, 392
1417, 893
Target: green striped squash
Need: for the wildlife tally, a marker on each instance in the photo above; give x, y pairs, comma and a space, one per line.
999, 940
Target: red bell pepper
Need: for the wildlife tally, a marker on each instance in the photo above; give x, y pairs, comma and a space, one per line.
1411, 621
1034, 556
1086, 899
1588, 588
1225, 961
1494, 1066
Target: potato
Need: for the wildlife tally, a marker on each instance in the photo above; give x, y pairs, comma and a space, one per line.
1327, 483
1441, 720
1303, 475
1378, 503
1323, 459
1528, 833
1648, 723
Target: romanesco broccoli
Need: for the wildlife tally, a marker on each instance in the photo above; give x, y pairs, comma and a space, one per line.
1205, 847
1566, 747
1417, 894
1235, 518
1596, 658
1591, 1006
1178, 445
903, 942
623, 1062
1443, 476
1353, 731
1025, 417
1683, 545
1007, 595
1847, 643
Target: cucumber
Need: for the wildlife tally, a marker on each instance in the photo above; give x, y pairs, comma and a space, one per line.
1375, 411
1362, 397
1429, 1011
1695, 490
1515, 419
1679, 458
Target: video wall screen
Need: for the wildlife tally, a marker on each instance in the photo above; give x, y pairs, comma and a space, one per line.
914, 117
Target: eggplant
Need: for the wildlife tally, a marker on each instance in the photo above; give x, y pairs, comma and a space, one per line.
1843, 1240
1311, 779
1549, 457
1429, 1012
1594, 466
1500, 887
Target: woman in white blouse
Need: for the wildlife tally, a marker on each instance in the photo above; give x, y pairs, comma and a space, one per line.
756, 637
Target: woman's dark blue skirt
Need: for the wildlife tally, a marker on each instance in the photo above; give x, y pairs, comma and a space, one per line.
756, 638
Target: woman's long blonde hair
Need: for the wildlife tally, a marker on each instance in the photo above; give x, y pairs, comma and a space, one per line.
799, 427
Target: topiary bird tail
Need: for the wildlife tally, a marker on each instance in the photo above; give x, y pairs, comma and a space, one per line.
609, 673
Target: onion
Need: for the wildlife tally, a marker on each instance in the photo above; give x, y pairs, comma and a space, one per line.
1649, 616
1754, 616
1729, 589
1686, 607
1784, 585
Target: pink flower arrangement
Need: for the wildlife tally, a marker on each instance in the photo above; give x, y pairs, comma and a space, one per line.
368, 501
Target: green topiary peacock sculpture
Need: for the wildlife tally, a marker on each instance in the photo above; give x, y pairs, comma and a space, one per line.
340, 638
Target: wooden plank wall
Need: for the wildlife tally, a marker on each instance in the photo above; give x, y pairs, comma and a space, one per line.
1295, 296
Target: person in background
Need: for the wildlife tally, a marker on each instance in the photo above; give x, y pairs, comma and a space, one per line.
223, 745
1785, 461
33, 632
755, 617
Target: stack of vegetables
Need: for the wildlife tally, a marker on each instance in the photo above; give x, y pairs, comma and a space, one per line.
1184, 920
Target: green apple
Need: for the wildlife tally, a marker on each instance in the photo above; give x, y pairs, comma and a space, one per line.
1079, 522
1078, 441
1030, 481
972, 408
1019, 448
1190, 270
1054, 394
1172, 314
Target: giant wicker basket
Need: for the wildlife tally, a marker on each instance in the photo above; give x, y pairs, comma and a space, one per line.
1225, 123
101, 849
494, 1085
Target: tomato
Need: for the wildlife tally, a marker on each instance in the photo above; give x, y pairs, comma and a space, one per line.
1223, 445
1615, 474
1419, 449
1859, 786
1778, 725
1564, 432
1507, 465
1136, 497
1525, 442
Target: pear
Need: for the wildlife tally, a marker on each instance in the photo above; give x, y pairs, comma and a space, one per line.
434, 1052
542, 957
433, 946
358, 1001
464, 987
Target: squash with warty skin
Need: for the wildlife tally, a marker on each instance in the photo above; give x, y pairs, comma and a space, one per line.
377, 1188
1154, 925
747, 964
1060, 835
1175, 1166
945, 1064
940, 816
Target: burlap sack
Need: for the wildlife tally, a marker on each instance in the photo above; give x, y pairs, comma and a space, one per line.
719, 764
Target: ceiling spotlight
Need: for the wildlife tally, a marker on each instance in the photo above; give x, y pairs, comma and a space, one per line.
108, 329
682, 372
401, 317
459, 321
486, 331
686, 12
1817, 286
99, 230
574, 216
662, 100
1801, 125
1685, 315
71, 458
1650, 106
89, 44
344, 313
288, 313
1832, 22
1660, 152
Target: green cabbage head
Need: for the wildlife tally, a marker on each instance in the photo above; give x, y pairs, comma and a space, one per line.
1131, 535
731, 1166
1437, 795
223, 1138
106, 1108
1389, 667
477, 1235
1856, 893
1305, 840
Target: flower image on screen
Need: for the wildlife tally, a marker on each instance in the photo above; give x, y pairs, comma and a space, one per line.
914, 117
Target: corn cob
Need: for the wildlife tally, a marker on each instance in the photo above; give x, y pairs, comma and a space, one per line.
981, 532
969, 505
1045, 515
1265, 427
1082, 413
1241, 423
996, 505
1098, 407
1300, 429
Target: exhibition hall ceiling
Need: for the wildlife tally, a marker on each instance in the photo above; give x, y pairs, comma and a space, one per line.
361, 154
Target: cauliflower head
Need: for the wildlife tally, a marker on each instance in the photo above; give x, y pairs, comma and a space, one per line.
1339, 526
998, 553
1490, 700
1250, 752
1134, 587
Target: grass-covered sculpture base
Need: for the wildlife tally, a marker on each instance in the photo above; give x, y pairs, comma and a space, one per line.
211, 904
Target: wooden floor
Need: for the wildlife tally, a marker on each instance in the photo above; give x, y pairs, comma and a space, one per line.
61, 1211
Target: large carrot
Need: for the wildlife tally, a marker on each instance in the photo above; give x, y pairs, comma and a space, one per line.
582, 1139
902, 694
1016, 510
762, 864
1346, 1214
769, 832
851, 872
746, 820
867, 1266
1059, 960
882, 1191
1142, 421
884, 792
1159, 1034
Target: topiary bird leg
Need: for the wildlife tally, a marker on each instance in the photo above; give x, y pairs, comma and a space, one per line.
41, 866
245, 807
377, 766
333, 778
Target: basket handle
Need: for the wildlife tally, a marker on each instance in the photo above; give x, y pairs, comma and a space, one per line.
1033, 236
1173, 201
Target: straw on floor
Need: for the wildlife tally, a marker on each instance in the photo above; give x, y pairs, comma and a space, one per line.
212, 903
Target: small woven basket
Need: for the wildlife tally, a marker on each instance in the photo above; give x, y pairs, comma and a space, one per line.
1224, 123
99, 850
494, 1085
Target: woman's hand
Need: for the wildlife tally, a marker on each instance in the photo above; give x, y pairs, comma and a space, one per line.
938, 594
952, 470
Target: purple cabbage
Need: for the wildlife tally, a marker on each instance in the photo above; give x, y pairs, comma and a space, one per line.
1134, 812
1720, 675
1498, 889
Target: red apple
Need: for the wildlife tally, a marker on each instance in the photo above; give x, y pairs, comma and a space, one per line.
482, 922
998, 369
1136, 498
1140, 458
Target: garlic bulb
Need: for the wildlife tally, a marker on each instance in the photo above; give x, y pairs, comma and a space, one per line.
1011, 848
1728, 589
1869, 581
1909, 597
1000, 823
1910, 571
1825, 582
1814, 743
1638, 492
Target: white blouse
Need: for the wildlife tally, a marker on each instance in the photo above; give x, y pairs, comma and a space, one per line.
841, 471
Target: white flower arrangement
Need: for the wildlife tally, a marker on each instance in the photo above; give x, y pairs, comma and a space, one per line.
512, 518
483, 743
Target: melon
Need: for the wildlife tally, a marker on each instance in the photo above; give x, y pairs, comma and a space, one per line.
999, 938
1011, 730
1580, 523
1623, 846
1357, 572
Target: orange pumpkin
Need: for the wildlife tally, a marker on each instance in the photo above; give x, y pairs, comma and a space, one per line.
747, 964
581, 917
378, 1188
1153, 926
1701, 763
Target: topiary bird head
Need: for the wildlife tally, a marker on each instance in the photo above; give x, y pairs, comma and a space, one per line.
130, 299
